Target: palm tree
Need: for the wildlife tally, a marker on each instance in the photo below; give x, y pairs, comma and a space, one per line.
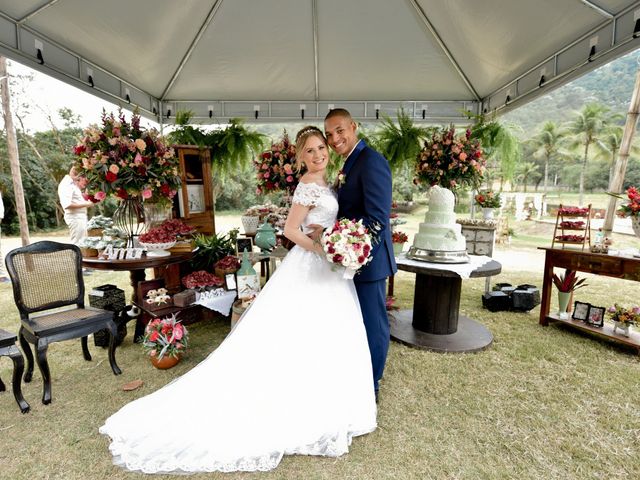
586, 129
546, 144
610, 146
526, 170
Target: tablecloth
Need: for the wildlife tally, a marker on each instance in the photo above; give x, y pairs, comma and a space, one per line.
219, 300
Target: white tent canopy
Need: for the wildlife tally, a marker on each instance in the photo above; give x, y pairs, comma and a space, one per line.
272, 59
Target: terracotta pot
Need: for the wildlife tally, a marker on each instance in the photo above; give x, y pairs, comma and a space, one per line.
165, 362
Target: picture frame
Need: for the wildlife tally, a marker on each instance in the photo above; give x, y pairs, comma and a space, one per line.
195, 198
230, 281
580, 311
596, 316
242, 244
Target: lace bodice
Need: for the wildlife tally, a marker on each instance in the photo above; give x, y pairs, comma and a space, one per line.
322, 199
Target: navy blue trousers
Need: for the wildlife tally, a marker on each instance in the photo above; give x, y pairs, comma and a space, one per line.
372, 296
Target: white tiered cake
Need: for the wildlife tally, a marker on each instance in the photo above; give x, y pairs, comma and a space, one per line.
440, 238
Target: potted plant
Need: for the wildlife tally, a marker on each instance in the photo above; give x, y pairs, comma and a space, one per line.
211, 248
165, 340
398, 238
488, 200
623, 318
566, 284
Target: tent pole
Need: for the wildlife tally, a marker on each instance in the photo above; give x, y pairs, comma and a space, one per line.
12, 148
623, 156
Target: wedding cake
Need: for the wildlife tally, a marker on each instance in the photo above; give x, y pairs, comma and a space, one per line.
439, 238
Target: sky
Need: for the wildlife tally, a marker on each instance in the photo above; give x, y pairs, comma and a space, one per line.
45, 95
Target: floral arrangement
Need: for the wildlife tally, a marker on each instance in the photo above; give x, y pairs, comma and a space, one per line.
576, 225
202, 279
488, 199
450, 161
399, 237
122, 159
570, 238
275, 215
632, 208
568, 282
276, 168
157, 235
165, 336
228, 263
573, 211
620, 314
348, 244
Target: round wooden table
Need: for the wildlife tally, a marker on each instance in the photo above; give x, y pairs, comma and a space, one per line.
435, 322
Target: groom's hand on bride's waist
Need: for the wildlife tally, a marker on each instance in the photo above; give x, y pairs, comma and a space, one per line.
316, 232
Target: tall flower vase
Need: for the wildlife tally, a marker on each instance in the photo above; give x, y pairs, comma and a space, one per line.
155, 213
129, 218
487, 213
563, 303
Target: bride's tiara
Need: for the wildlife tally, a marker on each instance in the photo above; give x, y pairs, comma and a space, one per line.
307, 131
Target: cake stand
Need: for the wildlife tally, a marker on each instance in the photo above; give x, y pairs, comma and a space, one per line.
438, 256
157, 249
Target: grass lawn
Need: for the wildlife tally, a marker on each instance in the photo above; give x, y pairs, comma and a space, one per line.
540, 403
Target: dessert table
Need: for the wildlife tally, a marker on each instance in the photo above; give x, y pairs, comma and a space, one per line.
434, 323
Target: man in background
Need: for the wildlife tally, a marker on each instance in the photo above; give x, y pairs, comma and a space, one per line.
74, 205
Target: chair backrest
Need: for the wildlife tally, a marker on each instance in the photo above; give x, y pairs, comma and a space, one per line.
46, 275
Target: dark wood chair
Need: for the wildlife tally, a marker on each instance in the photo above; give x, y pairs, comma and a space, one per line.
8, 349
45, 276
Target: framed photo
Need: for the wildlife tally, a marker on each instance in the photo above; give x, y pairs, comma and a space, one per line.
230, 281
195, 196
596, 316
242, 244
580, 311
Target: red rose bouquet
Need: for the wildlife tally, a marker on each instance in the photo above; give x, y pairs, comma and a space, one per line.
347, 244
276, 168
450, 161
399, 237
165, 336
632, 208
122, 159
202, 279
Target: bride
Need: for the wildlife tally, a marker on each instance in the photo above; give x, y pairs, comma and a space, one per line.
294, 376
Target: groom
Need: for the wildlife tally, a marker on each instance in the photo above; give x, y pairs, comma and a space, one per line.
365, 193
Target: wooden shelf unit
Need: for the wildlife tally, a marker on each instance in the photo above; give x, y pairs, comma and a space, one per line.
194, 202
561, 226
627, 268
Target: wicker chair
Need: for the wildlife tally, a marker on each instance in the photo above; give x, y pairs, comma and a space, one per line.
48, 275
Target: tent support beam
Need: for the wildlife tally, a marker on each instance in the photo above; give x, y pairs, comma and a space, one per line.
314, 16
444, 48
194, 43
598, 9
36, 11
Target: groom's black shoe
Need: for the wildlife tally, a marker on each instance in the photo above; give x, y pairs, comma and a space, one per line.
376, 397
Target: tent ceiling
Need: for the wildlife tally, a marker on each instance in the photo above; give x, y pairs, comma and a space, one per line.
233, 57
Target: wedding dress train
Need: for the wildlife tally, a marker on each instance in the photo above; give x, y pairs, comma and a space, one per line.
293, 377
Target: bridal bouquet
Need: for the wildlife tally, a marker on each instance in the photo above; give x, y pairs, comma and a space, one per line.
347, 244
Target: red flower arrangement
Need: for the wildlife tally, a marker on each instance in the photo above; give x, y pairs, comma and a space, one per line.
399, 237
450, 161
122, 159
227, 263
276, 168
578, 225
573, 211
570, 238
167, 231
488, 199
568, 282
201, 279
165, 336
632, 208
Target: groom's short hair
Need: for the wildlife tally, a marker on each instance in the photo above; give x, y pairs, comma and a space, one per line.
338, 112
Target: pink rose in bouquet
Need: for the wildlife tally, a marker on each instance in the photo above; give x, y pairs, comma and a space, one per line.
347, 244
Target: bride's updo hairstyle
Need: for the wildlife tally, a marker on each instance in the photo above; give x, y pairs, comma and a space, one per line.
301, 138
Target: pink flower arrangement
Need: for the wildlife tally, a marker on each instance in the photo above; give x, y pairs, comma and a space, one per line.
277, 168
450, 161
573, 211
165, 336
621, 314
122, 159
347, 244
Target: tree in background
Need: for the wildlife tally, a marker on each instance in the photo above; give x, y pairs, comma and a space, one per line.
527, 171
586, 129
546, 145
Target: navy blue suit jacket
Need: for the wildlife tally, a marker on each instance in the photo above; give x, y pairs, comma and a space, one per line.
366, 195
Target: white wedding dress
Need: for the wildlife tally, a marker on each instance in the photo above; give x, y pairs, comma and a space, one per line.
293, 377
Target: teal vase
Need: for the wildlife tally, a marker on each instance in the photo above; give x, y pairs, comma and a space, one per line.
266, 237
